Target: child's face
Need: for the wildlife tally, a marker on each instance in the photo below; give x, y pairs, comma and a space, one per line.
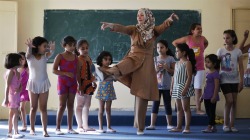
106, 61
197, 31
84, 49
70, 47
228, 40
161, 49
208, 63
141, 17
23, 61
42, 48
178, 53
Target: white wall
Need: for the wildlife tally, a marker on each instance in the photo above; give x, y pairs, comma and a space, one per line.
216, 17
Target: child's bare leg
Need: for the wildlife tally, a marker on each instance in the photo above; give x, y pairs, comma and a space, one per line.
70, 108
100, 114
10, 121
228, 106
43, 99
79, 106
33, 109
23, 114
85, 115
108, 114
62, 105
186, 109
233, 110
15, 120
179, 114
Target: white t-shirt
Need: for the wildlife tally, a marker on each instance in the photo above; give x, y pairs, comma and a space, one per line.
229, 65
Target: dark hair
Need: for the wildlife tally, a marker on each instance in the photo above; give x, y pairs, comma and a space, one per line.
68, 40
12, 60
37, 41
23, 54
79, 43
189, 53
101, 56
232, 34
192, 27
165, 43
215, 60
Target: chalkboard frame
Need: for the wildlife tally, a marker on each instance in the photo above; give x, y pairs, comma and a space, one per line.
85, 24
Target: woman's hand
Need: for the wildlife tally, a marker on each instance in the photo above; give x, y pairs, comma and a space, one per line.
173, 17
106, 25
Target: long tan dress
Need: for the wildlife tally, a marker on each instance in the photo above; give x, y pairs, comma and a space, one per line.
137, 67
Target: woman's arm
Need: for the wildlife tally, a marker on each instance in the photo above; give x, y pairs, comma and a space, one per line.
166, 24
189, 78
117, 28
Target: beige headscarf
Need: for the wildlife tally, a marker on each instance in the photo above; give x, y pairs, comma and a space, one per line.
146, 29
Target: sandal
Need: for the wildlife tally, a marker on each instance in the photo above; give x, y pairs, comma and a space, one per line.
186, 132
46, 135
81, 130
207, 131
150, 127
110, 130
175, 130
24, 129
89, 129
71, 131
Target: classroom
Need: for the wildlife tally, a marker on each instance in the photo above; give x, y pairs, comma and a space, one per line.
24, 19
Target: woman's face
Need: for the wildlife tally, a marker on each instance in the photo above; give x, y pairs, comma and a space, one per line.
141, 17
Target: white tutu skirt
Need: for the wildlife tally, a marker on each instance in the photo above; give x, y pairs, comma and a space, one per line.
38, 87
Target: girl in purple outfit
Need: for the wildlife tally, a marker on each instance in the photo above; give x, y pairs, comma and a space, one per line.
24, 95
211, 89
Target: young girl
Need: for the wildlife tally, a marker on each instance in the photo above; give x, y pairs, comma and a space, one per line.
38, 84
181, 87
211, 90
164, 64
198, 43
13, 88
66, 67
105, 93
86, 87
24, 95
136, 70
231, 73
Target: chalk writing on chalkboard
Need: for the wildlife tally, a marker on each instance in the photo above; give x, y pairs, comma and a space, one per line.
86, 24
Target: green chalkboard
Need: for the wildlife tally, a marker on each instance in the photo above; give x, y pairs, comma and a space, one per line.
86, 24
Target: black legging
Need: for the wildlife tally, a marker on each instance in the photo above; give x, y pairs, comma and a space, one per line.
167, 102
210, 110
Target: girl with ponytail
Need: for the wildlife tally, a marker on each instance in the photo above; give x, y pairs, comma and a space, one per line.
181, 87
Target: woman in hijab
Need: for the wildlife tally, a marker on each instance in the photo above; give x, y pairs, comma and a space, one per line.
136, 70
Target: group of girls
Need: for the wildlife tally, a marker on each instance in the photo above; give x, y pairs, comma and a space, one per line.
75, 69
